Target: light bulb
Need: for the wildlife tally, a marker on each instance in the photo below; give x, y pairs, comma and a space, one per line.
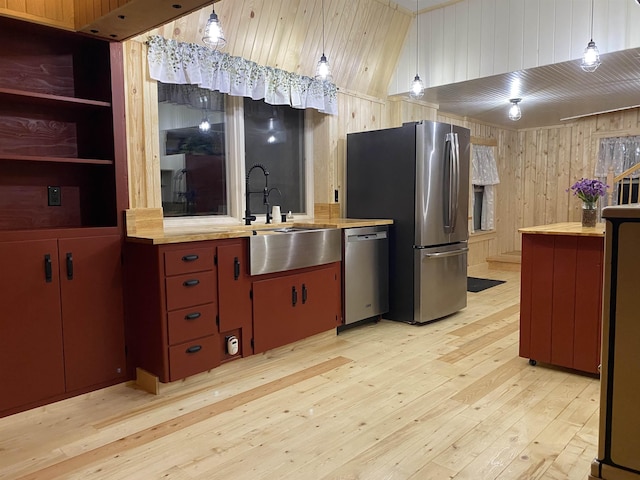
591, 58
204, 126
323, 70
417, 88
514, 112
213, 34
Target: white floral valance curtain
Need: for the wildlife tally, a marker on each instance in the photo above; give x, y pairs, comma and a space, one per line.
619, 153
484, 171
187, 63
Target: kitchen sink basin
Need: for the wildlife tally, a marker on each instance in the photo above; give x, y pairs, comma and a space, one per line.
288, 248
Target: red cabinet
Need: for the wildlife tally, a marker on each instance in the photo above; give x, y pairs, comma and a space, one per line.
62, 194
290, 307
235, 309
183, 301
561, 300
92, 310
61, 328
31, 356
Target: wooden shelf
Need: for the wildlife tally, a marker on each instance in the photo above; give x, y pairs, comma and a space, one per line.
38, 158
46, 98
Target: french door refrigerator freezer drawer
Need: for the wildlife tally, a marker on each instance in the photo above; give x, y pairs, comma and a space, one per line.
441, 281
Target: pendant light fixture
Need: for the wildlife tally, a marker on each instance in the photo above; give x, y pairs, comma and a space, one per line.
591, 57
323, 70
204, 126
213, 34
417, 87
514, 112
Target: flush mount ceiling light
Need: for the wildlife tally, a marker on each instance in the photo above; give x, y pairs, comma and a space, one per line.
323, 70
591, 57
417, 87
514, 112
213, 34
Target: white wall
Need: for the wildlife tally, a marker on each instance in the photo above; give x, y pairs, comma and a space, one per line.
478, 38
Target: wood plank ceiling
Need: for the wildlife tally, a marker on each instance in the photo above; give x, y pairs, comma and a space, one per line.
363, 38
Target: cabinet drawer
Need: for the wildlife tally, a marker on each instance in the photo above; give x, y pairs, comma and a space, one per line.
186, 261
192, 289
192, 322
193, 357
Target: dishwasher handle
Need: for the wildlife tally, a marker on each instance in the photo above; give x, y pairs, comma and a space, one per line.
367, 236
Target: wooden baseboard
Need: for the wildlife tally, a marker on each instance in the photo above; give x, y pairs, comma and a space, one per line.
509, 261
147, 381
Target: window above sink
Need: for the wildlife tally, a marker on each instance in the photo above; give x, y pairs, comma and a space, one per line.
203, 170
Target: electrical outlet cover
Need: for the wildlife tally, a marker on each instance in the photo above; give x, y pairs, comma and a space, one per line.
54, 196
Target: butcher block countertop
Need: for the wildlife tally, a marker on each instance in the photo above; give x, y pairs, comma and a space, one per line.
161, 236
566, 228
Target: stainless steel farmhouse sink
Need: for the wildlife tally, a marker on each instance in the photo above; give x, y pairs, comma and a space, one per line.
288, 248
270, 231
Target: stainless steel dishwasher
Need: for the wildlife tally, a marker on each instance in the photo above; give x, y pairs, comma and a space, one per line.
366, 273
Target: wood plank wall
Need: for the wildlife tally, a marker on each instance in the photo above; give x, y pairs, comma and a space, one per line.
56, 13
87, 11
536, 166
472, 39
360, 37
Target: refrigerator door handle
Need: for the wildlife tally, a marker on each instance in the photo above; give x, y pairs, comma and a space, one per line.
452, 162
447, 183
446, 254
454, 178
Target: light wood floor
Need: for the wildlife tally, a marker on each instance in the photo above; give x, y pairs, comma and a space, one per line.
385, 401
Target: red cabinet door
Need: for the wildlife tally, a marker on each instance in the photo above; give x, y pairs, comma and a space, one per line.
31, 359
234, 293
91, 291
275, 305
293, 307
234, 287
320, 299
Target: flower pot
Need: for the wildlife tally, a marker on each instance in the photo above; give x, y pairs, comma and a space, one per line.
589, 214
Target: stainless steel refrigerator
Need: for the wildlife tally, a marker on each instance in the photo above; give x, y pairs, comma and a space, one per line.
417, 175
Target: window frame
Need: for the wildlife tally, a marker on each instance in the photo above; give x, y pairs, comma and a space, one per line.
471, 220
236, 173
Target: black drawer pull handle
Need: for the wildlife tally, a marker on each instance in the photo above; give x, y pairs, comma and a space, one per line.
294, 296
69, 266
190, 283
194, 349
236, 268
304, 293
47, 268
190, 258
192, 316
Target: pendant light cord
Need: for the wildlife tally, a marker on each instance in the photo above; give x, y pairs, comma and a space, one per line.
592, 20
417, 40
323, 27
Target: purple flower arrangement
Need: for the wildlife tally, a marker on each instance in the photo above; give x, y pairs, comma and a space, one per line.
589, 190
